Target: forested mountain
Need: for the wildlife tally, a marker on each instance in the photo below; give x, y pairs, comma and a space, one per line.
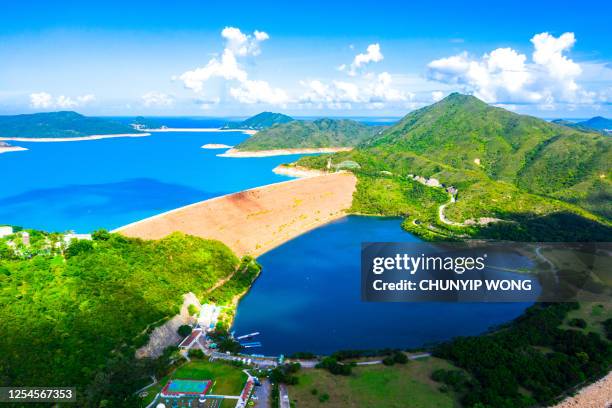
59, 125
503, 164
260, 121
310, 134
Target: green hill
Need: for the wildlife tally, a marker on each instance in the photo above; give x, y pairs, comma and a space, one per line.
597, 123
311, 134
506, 166
262, 120
85, 309
59, 124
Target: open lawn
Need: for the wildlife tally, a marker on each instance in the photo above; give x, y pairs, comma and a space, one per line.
228, 380
400, 386
594, 314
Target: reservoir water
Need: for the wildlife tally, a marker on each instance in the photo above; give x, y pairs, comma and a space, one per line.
308, 298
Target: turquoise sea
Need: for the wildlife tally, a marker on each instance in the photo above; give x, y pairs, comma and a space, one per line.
307, 298
108, 183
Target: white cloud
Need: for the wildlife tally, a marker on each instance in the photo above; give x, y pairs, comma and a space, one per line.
437, 95
41, 100
243, 44
157, 99
44, 100
259, 92
372, 54
237, 44
374, 93
505, 75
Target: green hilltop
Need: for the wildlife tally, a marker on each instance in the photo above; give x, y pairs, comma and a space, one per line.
311, 134
260, 121
59, 125
530, 173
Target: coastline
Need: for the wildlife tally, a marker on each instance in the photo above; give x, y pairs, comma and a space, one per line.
257, 220
213, 146
247, 131
4, 149
235, 153
72, 139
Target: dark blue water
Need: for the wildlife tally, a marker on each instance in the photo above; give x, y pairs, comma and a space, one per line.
308, 298
111, 182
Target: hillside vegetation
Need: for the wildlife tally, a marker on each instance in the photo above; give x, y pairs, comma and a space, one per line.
59, 125
77, 318
310, 134
260, 121
506, 166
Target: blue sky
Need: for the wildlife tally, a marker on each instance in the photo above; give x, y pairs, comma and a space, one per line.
377, 58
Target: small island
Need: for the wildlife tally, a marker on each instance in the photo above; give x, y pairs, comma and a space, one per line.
260, 121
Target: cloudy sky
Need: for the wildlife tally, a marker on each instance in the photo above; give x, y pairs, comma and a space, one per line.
377, 58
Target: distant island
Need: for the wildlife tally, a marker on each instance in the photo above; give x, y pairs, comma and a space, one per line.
142, 123
260, 121
60, 125
597, 123
323, 134
461, 168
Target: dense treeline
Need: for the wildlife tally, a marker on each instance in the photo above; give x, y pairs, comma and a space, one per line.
76, 320
531, 354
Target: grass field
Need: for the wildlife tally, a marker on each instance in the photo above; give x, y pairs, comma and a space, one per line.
228, 380
399, 386
594, 314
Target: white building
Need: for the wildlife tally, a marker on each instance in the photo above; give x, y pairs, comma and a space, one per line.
209, 314
5, 231
70, 236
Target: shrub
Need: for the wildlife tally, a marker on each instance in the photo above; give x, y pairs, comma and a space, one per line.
196, 353
184, 330
580, 323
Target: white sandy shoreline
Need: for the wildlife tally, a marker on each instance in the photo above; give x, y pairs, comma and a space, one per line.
216, 146
281, 152
72, 139
7, 149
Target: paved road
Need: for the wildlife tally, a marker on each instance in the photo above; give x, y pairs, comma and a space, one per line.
262, 393
284, 396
